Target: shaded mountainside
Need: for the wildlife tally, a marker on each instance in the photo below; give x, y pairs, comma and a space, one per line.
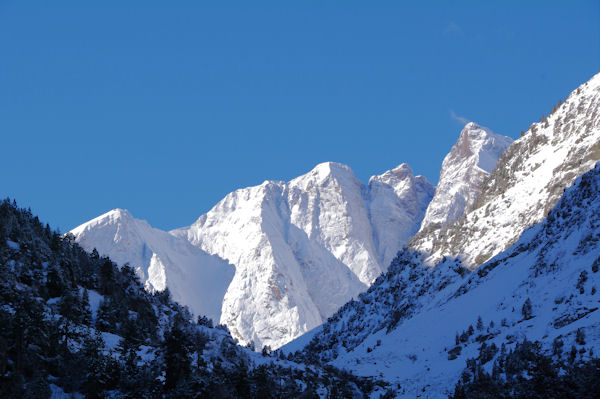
74, 323
418, 326
300, 249
528, 180
526, 372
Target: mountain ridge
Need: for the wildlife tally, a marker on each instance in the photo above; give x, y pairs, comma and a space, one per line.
528, 180
543, 288
300, 248
471, 159
540, 283
160, 258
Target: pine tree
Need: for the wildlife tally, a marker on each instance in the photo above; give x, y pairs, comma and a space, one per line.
479, 324
176, 356
129, 345
95, 377
55, 284
526, 310
107, 277
580, 337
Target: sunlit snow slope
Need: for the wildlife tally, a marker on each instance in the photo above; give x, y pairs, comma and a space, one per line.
412, 326
472, 158
300, 249
528, 180
303, 248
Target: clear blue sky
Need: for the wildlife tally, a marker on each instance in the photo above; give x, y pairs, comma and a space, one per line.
165, 109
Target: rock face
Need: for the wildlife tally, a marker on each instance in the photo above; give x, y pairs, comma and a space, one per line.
300, 249
528, 180
396, 201
471, 160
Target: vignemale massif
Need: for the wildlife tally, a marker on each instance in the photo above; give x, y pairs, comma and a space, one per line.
276, 260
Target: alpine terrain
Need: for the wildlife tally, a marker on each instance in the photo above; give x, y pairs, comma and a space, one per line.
503, 300
464, 169
193, 276
300, 249
490, 289
529, 179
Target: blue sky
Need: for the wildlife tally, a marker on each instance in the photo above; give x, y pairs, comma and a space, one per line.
163, 109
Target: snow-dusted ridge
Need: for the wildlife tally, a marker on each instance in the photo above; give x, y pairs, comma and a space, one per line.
414, 325
300, 249
395, 201
162, 260
464, 169
528, 180
405, 328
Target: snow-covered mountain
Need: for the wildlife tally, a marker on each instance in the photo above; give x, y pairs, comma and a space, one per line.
471, 159
161, 260
528, 180
305, 247
395, 201
417, 326
300, 249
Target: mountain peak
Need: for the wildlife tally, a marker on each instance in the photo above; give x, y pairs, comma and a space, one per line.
473, 130
403, 170
119, 213
111, 217
399, 173
524, 185
473, 157
323, 171
331, 168
471, 125
475, 139
475, 126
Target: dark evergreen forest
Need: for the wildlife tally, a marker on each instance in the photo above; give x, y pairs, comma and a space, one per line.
53, 340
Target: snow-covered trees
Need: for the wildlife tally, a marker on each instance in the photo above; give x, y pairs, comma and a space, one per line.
76, 321
527, 309
526, 372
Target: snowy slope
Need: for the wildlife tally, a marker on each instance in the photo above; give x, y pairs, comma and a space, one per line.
471, 159
269, 298
303, 248
300, 249
195, 278
528, 180
405, 328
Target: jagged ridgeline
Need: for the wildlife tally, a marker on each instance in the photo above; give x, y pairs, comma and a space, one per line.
527, 182
418, 326
275, 260
72, 322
